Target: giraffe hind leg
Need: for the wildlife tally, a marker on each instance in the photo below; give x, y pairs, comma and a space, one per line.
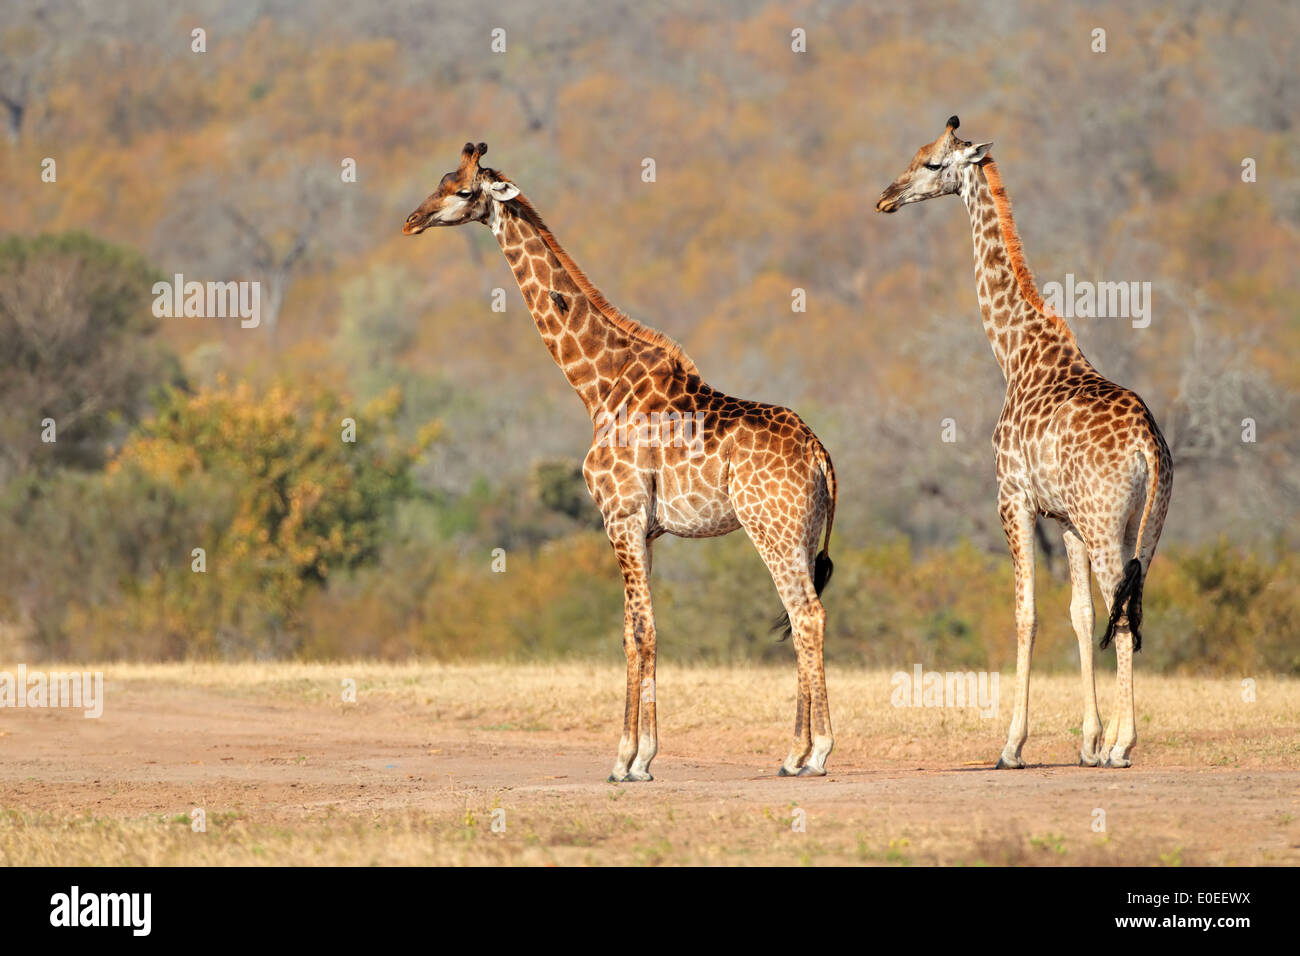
793, 570
1081, 617
823, 568
813, 739
784, 518
1112, 573
801, 746
810, 621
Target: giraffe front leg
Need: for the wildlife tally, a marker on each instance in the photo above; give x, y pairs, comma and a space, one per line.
648, 743
639, 742
627, 744
1081, 616
1018, 523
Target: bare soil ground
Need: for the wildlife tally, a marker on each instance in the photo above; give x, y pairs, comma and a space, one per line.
429, 757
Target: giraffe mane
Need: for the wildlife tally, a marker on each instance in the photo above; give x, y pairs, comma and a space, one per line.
1015, 249
642, 333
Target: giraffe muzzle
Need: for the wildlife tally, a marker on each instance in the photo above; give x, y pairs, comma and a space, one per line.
890, 200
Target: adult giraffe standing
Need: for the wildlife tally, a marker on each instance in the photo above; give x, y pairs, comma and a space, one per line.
1069, 444
697, 463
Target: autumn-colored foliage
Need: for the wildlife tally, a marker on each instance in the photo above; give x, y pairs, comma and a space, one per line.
183, 433
259, 498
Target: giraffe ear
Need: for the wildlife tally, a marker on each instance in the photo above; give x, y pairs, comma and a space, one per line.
977, 153
503, 192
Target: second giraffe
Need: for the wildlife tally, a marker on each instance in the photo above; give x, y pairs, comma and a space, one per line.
1069, 445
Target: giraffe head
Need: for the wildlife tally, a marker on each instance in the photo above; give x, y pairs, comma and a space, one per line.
935, 170
465, 194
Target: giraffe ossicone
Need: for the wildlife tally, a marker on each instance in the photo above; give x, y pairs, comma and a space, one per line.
1069, 444
747, 464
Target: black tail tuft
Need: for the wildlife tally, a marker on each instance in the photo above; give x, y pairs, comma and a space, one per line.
823, 568
1127, 603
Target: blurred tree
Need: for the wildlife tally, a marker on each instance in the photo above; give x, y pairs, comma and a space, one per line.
267, 222
561, 487
271, 486
79, 348
30, 36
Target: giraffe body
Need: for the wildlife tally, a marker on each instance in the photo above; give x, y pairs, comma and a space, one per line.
1069, 444
718, 464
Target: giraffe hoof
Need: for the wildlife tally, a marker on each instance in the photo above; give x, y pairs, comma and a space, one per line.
1089, 761
1117, 763
637, 776
1005, 764
787, 773
808, 770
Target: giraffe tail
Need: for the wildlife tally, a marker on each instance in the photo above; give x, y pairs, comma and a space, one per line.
1127, 603
1128, 596
823, 567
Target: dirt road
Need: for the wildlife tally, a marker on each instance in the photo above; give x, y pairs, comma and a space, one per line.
283, 776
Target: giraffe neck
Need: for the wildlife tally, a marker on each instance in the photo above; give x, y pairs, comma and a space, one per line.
1025, 334
590, 340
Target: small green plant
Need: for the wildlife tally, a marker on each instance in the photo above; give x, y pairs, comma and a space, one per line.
1053, 843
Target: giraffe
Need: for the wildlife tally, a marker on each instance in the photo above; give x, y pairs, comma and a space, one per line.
1069, 445
695, 463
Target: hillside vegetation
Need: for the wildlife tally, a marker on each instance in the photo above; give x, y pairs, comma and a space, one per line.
176, 434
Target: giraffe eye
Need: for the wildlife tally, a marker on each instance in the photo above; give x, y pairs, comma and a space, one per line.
464, 193
934, 165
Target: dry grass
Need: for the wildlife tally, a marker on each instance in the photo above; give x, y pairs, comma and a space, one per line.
566, 834
1174, 714
560, 696
908, 791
